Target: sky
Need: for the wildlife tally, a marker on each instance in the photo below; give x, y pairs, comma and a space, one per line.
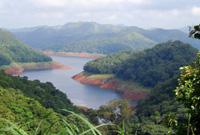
141, 13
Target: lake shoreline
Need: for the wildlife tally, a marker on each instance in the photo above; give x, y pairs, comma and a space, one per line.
74, 54
134, 93
19, 68
79, 94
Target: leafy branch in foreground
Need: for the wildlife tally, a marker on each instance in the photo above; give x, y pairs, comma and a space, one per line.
195, 31
92, 129
188, 93
70, 128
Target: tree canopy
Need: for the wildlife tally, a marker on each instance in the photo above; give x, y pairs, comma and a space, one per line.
188, 91
195, 32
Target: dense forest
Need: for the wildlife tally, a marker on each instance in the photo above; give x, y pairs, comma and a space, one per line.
148, 67
13, 50
45, 93
26, 112
157, 64
98, 38
108, 64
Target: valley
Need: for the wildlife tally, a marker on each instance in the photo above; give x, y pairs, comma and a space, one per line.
117, 78
99, 67
79, 94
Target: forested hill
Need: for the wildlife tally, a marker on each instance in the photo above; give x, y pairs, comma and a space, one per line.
149, 67
13, 50
33, 106
97, 38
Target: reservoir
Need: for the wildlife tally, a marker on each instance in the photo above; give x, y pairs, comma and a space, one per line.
79, 94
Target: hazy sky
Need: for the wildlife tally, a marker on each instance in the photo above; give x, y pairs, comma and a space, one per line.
143, 13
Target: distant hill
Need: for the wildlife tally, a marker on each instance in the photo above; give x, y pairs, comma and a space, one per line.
148, 67
97, 38
13, 50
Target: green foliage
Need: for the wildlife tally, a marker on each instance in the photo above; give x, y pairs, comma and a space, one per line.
195, 32
13, 50
148, 68
158, 64
34, 119
4, 60
153, 129
45, 93
158, 68
19, 104
35, 107
26, 112
161, 99
188, 92
118, 112
93, 129
108, 64
115, 111
162, 109
172, 113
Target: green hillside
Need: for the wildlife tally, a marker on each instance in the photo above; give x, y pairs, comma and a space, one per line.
158, 68
157, 64
31, 107
27, 113
13, 50
108, 64
45, 93
22, 115
149, 67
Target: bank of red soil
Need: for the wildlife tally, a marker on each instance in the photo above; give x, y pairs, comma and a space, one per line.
18, 69
113, 84
73, 54
14, 70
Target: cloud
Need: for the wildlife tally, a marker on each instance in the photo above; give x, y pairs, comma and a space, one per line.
49, 3
88, 3
143, 13
196, 11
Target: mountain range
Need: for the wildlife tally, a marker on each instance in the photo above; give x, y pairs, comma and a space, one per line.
97, 38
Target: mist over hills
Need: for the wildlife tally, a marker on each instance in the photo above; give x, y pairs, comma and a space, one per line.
97, 38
